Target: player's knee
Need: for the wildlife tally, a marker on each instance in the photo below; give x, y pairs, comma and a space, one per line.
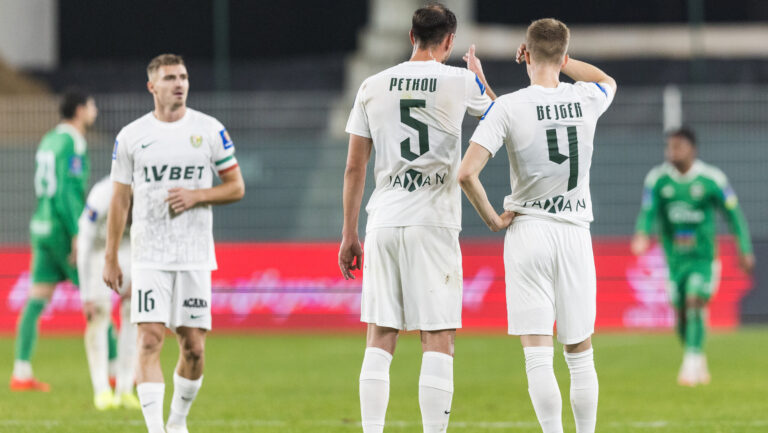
193, 351
579, 347
150, 341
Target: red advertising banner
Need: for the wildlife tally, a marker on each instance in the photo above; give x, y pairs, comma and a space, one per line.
297, 286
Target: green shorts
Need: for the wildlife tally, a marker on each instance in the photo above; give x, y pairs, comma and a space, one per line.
697, 278
50, 263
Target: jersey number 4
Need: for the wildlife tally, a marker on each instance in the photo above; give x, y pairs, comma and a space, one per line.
573, 153
419, 126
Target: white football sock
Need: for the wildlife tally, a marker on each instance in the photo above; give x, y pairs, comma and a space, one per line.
435, 391
97, 349
22, 370
184, 393
584, 389
374, 389
151, 397
543, 389
126, 350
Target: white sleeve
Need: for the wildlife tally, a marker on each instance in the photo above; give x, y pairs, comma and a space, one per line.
122, 160
223, 151
95, 211
478, 102
358, 119
493, 129
599, 94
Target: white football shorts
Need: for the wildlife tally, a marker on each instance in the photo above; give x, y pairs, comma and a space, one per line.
92, 287
550, 276
176, 298
412, 278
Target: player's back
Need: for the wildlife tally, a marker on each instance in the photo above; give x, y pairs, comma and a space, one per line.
61, 173
549, 135
413, 113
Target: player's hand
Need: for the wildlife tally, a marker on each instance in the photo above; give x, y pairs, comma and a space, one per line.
89, 309
181, 199
350, 256
113, 275
473, 63
72, 258
747, 263
520, 55
640, 244
503, 221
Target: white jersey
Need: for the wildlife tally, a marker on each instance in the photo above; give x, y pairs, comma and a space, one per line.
549, 137
413, 113
155, 157
92, 239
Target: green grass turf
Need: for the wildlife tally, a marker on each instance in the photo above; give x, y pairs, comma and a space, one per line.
308, 383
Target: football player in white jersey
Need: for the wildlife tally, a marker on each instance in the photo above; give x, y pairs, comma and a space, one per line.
169, 156
412, 278
97, 304
548, 130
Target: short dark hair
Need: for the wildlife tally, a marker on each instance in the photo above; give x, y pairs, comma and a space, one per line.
683, 132
432, 23
72, 99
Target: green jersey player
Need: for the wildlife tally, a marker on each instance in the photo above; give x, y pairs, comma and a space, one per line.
61, 176
680, 198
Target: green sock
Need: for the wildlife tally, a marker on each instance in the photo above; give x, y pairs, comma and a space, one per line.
112, 342
681, 321
26, 332
695, 332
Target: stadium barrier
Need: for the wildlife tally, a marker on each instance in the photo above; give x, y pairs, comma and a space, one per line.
298, 287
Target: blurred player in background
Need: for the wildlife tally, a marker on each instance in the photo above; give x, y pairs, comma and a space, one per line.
548, 130
168, 156
412, 280
680, 197
61, 179
97, 304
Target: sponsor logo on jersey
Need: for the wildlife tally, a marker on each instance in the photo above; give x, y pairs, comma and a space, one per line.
114, 151
196, 140
76, 165
225, 140
557, 204
412, 180
173, 172
685, 239
195, 303
680, 212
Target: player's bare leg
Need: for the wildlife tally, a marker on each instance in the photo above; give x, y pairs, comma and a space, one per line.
97, 316
149, 375
126, 357
374, 376
584, 385
22, 378
542, 384
188, 377
436, 379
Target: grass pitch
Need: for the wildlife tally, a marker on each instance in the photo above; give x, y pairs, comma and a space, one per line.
308, 383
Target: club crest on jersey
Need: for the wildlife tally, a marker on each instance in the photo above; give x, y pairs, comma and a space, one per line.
196, 140
697, 191
668, 191
76, 165
225, 140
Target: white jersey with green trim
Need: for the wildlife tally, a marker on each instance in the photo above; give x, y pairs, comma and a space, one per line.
155, 157
549, 135
413, 113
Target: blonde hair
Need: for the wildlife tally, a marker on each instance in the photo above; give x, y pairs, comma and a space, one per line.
547, 40
163, 60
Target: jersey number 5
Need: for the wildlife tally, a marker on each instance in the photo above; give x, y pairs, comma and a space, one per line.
573, 153
420, 127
